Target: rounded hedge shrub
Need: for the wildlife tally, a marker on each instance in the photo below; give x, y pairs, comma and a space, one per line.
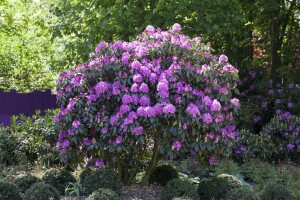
103, 194
58, 178
101, 178
275, 191
9, 191
163, 174
216, 187
242, 193
41, 191
85, 173
178, 188
24, 182
9, 151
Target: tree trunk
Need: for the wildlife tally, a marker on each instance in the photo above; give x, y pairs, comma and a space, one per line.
152, 163
275, 43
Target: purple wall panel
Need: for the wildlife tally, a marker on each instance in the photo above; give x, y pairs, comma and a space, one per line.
12, 103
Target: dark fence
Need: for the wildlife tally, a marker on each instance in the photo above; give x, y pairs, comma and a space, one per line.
13, 103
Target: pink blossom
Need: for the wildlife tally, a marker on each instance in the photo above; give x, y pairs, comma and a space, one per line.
138, 130
223, 58
100, 163
193, 110
169, 109
176, 27
118, 140
207, 119
215, 106
76, 123
212, 160
144, 88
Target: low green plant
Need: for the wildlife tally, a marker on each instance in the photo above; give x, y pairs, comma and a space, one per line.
58, 178
178, 188
242, 193
35, 137
217, 187
9, 191
257, 146
73, 189
103, 194
24, 182
227, 166
9, 148
258, 172
41, 191
101, 178
275, 191
85, 173
289, 176
162, 174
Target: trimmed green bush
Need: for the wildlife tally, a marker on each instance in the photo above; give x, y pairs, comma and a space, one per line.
178, 188
101, 178
41, 191
9, 191
103, 194
276, 191
217, 187
24, 182
85, 173
242, 193
9, 151
58, 178
163, 174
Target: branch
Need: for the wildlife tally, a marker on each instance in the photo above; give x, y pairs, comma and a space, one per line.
286, 20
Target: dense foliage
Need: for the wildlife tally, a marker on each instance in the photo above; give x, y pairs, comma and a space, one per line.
162, 174
242, 193
275, 191
164, 91
103, 194
179, 188
24, 182
32, 139
217, 187
101, 178
58, 178
9, 191
9, 148
41, 191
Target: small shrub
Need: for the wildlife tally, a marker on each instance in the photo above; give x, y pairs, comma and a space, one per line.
9, 191
41, 191
9, 152
24, 182
258, 172
242, 193
58, 178
179, 188
73, 189
85, 173
217, 187
101, 178
275, 191
103, 194
163, 174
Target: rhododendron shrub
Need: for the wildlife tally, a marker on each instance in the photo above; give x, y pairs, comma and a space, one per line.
163, 92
